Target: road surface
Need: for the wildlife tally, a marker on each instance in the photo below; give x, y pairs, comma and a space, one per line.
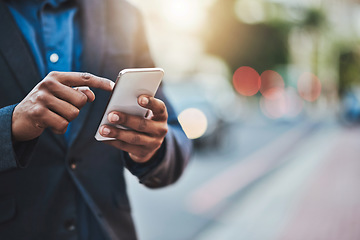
268, 181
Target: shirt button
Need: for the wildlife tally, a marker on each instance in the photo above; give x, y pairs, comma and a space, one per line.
70, 225
54, 58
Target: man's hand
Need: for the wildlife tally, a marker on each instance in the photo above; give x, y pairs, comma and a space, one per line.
53, 103
146, 134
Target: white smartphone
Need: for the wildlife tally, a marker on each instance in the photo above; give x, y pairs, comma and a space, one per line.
129, 85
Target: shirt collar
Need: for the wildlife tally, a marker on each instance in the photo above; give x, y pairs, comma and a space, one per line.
38, 3
54, 3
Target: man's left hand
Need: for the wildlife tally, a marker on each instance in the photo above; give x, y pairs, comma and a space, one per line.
145, 135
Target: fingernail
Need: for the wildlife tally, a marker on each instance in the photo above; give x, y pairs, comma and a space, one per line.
144, 100
114, 117
105, 131
112, 84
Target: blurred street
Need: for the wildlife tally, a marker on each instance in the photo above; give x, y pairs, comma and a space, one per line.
270, 92
268, 180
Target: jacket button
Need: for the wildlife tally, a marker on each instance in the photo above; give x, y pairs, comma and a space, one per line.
73, 166
72, 163
70, 225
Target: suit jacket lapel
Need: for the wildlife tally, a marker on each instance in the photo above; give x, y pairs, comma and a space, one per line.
19, 58
93, 39
24, 67
93, 23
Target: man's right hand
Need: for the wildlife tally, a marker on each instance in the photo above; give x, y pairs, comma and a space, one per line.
53, 103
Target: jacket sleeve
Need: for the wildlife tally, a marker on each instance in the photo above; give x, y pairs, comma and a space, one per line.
172, 165
8, 159
13, 155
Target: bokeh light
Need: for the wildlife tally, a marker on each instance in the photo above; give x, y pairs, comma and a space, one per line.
285, 105
194, 122
309, 86
293, 102
184, 14
273, 107
272, 84
250, 11
246, 81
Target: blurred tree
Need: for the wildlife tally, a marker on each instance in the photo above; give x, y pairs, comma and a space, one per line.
349, 71
261, 46
314, 23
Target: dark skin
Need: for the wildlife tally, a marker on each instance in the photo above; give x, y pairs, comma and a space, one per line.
147, 134
58, 99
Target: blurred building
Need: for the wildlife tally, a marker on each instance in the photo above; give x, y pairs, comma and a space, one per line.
201, 44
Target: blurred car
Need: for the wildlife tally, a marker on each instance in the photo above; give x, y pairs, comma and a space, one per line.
350, 106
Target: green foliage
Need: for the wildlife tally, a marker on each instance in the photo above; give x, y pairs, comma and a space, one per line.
260, 46
314, 19
349, 70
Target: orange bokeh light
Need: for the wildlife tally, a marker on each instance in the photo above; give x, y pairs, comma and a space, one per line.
246, 81
272, 84
309, 86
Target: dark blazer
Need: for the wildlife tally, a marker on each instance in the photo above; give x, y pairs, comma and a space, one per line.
39, 179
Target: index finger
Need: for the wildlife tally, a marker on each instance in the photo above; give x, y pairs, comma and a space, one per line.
77, 79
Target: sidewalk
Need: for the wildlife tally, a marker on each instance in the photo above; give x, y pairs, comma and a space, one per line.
330, 206
315, 196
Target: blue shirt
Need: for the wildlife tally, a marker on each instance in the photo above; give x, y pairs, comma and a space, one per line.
51, 29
